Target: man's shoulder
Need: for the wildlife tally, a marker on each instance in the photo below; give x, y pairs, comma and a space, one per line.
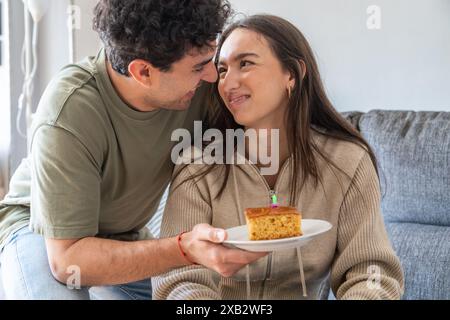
72, 101
74, 87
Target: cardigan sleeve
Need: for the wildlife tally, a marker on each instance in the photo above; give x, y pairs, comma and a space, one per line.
365, 265
185, 208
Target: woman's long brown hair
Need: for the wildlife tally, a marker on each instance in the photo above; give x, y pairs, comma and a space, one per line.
308, 108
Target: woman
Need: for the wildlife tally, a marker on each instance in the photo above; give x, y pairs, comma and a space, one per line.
268, 79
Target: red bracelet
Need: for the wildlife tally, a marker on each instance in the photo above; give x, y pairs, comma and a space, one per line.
181, 249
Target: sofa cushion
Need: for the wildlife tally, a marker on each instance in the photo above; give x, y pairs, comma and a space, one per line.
353, 117
424, 251
413, 151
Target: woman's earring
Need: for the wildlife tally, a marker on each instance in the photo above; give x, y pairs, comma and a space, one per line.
289, 92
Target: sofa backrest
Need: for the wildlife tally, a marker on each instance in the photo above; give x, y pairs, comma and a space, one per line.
413, 152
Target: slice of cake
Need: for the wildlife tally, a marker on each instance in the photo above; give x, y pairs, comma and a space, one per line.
273, 223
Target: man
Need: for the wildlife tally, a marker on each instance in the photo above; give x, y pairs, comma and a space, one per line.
100, 159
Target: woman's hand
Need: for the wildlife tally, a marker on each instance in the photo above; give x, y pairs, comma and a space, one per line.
203, 245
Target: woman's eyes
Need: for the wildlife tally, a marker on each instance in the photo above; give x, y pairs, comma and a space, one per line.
221, 70
245, 63
242, 64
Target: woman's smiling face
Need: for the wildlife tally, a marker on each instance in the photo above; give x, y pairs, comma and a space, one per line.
252, 82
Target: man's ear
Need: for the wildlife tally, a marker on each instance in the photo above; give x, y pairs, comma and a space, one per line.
141, 71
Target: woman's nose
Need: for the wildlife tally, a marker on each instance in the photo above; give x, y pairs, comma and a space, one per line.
230, 81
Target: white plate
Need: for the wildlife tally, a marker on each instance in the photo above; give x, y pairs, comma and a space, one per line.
238, 237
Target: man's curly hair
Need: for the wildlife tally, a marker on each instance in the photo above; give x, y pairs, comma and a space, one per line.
158, 31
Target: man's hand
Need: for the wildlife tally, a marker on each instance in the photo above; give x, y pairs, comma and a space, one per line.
110, 262
203, 246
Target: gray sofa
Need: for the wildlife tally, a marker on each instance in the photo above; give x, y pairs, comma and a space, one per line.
413, 151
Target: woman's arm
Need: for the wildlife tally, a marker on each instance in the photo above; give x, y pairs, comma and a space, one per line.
365, 267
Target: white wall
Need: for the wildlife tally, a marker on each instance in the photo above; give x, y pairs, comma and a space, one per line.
86, 41
54, 41
404, 65
53, 44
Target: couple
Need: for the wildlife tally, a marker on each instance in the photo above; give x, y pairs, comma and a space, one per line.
100, 161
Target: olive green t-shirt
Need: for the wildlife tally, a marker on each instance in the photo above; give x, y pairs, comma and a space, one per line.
97, 167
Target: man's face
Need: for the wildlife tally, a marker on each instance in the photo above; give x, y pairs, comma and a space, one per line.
175, 89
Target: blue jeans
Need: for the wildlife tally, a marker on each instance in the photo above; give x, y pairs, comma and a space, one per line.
25, 273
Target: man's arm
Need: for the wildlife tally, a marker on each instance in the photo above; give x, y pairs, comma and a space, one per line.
66, 205
109, 262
